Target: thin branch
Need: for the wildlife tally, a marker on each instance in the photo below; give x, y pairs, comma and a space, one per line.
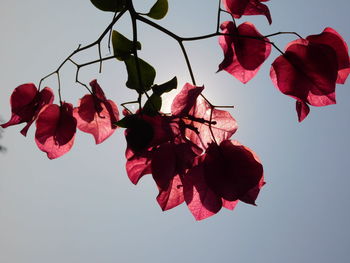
95, 61
184, 52
79, 49
100, 56
133, 15
59, 87
281, 33
110, 34
218, 19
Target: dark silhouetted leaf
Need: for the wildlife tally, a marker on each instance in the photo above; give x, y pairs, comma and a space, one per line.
147, 76
153, 105
109, 5
159, 9
122, 46
165, 87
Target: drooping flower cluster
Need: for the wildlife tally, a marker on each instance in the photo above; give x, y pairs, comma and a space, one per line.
56, 124
191, 157
189, 152
308, 70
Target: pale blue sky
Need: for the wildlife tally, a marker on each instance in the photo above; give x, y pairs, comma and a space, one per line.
83, 208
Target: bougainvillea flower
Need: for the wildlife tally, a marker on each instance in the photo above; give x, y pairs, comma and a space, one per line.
231, 170
55, 129
172, 196
154, 148
225, 174
26, 102
200, 198
185, 100
308, 72
302, 110
144, 131
169, 164
96, 115
142, 135
245, 49
199, 114
247, 7
223, 125
137, 165
332, 38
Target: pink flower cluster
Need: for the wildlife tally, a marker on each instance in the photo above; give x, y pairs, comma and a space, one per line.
191, 157
56, 124
308, 70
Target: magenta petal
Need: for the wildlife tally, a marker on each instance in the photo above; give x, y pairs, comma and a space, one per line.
307, 72
247, 7
184, 101
56, 129
97, 122
250, 52
223, 127
164, 165
26, 102
97, 115
231, 170
253, 193
333, 39
243, 56
229, 204
97, 90
302, 109
200, 199
343, 75
137, 165
172, 196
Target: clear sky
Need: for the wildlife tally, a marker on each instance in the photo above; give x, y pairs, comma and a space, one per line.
83, 208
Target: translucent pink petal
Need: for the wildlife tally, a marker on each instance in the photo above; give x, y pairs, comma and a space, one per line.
223, 124
247, 7
164, 165
172, 196
137, 165
200, 199
97, 121
231, 170
185, 100
243, 56
56, 129
26, 102
307, 72
302, 110
333, 39
97, 90
229, 204
250, 52
253, 193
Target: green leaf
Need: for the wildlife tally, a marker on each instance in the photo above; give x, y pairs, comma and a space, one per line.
147, 74
122, 46
165, 87
152, 105
159, 9
109, 5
